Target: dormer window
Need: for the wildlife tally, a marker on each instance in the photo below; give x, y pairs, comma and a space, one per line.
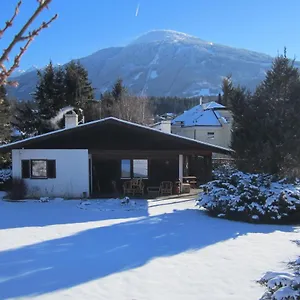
211, 135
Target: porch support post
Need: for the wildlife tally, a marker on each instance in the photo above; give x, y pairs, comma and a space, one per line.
90, 175
180, 168
208, 167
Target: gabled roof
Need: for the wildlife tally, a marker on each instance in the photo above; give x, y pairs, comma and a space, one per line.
113, 134
201, 115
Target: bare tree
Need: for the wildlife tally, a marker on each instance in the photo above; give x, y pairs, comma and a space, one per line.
21, 36
134, 109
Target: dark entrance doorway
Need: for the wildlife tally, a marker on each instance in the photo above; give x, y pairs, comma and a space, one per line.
106, 174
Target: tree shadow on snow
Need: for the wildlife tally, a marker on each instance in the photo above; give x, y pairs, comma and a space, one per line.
33, 213
99, 252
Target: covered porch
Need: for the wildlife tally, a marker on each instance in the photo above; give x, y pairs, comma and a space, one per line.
160, 172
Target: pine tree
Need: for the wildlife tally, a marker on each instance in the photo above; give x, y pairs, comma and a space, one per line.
111, 100
57, 88
32, 118
78, 88
266, 134
26, 119
119, 90
59, 98
44, 94
5, 128
227, 87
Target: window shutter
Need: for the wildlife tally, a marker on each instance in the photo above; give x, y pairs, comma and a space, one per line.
25, 168
51, 168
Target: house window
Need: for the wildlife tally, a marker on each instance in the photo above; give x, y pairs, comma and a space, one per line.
211, 135
125, 168
136, 168
38, 169
140, 168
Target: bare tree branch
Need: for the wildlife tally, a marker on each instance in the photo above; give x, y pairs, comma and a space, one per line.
4, 72
10, 22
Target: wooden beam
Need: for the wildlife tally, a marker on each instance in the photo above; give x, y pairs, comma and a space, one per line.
144, 154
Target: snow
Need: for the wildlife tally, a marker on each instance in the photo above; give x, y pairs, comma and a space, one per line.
153, 74
5, 174
282, 285
137, 76
258, 194
287, 293
197, 116
160, 249
201, 115
212, 105
171, 36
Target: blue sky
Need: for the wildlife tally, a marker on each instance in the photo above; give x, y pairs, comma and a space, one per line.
84, 27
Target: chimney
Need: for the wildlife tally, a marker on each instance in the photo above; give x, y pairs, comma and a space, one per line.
200, 101
164, 126
71, 119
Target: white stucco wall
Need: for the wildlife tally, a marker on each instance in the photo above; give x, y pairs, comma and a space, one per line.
72, 172
221, 134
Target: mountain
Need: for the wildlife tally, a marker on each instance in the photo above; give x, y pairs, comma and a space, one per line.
166, 63
19, 72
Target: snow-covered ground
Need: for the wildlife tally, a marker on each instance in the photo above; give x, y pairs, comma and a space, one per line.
161, 249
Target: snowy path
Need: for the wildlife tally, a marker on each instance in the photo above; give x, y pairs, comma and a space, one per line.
168, 250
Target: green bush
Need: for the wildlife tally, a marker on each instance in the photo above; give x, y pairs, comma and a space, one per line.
252, 198
18, 189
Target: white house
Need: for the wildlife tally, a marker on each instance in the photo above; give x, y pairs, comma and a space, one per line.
98, 157
209, 122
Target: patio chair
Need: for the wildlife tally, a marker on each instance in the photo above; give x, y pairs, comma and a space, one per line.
127, 188
138, 186
166, 188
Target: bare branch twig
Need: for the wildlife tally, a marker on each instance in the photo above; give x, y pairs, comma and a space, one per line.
10, 22
4, 73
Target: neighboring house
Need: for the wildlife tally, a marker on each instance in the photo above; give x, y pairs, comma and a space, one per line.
209, 122
97, 157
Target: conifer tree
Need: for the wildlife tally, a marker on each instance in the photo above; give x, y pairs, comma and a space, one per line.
78, 88
26, 119
227, 87
266, 132
59, 99
57, 88
5, 128
45, 92
119, 90
111, 100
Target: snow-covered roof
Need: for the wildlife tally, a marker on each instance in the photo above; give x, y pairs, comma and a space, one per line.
201, 115
212, 105
21, 143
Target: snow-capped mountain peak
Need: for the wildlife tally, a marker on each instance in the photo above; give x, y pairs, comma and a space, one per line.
168, 36
19, 72
166, 63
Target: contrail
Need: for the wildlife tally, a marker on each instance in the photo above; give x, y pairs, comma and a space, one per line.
137, 10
